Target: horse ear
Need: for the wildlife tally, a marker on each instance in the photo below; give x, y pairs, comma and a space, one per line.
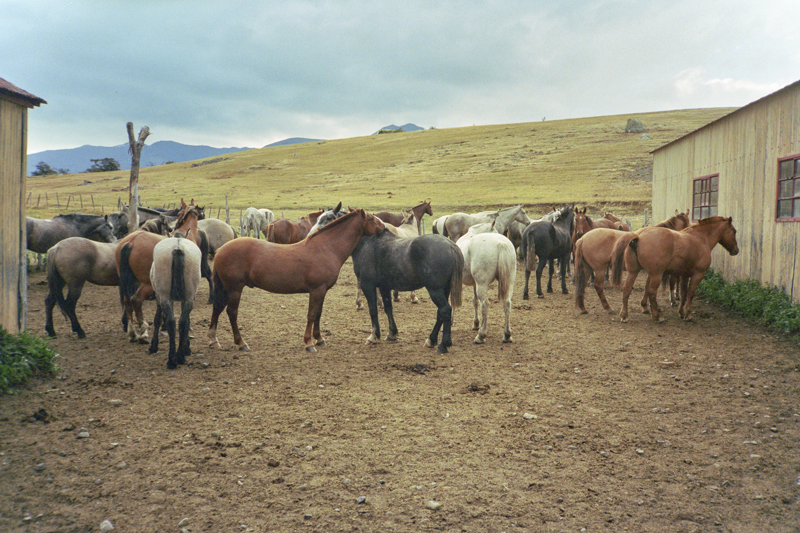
183, 204
338, 207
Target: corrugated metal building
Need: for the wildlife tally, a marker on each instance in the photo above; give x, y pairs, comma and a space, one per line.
14, 105
745, 165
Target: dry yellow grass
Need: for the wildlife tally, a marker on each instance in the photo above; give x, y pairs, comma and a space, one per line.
589, 161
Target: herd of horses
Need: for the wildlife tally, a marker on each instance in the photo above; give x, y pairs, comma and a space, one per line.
172, 250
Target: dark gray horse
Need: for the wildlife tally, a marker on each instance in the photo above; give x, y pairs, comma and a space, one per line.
45, 233
547, 242
388, 262
119, 221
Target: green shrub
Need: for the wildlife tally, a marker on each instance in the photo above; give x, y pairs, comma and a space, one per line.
769, 306
22, 356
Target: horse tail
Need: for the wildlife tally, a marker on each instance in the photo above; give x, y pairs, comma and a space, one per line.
177, 292
271, 232
220, 295
205, 252
529, 251
456, 283
127, 279
508, 262
434, 229
580, 269
618, 256
55, 282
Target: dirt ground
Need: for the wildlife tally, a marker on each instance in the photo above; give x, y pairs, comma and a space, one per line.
582, 424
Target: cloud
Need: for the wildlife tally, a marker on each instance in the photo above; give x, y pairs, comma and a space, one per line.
693, 85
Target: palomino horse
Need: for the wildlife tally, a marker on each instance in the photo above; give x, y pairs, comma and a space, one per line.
548, 241
417, 212
44, 233
488, 257
134, 257
593, 258
73, 262
311, 266
284, 231
174, 275
660, 251
389, 262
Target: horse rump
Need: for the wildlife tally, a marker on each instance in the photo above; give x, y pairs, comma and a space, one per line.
618, 256
582, 270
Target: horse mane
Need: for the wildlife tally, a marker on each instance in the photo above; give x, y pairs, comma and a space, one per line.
670, 222
333, 223
185, 213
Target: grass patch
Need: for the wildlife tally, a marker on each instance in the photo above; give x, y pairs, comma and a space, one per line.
768, 306
23, 356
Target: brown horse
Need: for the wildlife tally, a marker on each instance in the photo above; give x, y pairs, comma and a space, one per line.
311, 266
593, 257
659, 251
417, 212
622, 226
284, 231
134, 257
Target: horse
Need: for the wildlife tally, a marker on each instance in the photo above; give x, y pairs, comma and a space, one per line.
437, 226
547, 241
488, 257
418, 211
159, 226
45, 233
388, 262
134, 257
515, 229
256, 220
174, 276
593, 258
71, 263
311, 266
284, 231
119, 221
457, 224
218, 233
659, 251
622, 226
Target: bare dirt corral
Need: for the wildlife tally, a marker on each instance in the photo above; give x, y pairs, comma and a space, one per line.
583, 423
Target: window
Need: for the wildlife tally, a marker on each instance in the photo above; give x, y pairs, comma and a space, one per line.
789, 188
705, 197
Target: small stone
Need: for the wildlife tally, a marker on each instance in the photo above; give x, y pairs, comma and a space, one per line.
106, 525
84, 434
40, 467
529, 416
361, 499
308, 516
433, 505
183, 523
640, 451
115, 402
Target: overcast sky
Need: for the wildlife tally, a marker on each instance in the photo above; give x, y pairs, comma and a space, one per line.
249, 73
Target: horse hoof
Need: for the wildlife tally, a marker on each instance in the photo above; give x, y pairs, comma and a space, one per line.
584, 312
624, 319
508, 339
171, 365
441, 350
311, 349
244, 348
214, 344
524, 296
428, 343
540, 295
152, 350
390, 338
414, 301
479, 340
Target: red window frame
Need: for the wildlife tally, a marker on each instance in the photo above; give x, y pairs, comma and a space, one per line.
705, 196
787, 193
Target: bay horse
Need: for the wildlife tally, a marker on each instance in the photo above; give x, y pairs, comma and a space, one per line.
134, 258
388, 262
489, 256
548, 241
417, 212
593, 258
45, 233
71, 263
310, 266
284, 231
174, 276
660, 251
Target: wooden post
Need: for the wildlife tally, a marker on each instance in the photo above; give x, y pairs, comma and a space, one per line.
38, 199
645, 217
81, 197
227, 211
68, 199
93, 201
135, 149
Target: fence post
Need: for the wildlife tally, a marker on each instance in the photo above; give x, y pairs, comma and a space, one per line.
58, 202
93, 201
38, 199
68, 199
227, 211
645, 216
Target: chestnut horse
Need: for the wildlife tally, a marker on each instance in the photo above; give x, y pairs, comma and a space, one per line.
659, 251
311, 266
593, 257
134, 257
284, 231
418, 211
622, 226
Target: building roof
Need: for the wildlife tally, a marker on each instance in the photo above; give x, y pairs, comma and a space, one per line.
9, 91
748, 106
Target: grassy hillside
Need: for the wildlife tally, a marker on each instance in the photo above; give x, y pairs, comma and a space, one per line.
590, 161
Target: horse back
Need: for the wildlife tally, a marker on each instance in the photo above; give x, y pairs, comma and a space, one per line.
663, 250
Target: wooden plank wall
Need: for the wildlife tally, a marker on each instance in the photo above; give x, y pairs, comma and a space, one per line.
743, 148
13, 279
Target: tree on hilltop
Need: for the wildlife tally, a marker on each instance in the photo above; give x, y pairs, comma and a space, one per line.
105, 164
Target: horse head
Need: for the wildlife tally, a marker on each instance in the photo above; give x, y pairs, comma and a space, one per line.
728, 240
103, 231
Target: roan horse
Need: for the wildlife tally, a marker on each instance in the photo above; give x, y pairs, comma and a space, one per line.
593, 257
311, 266
134, 257
660, 251
174, 275
73, 262
45, 233
388, 262
547, 241
489, 256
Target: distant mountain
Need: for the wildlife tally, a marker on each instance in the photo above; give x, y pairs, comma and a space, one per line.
77, 160
404, 127
292, 140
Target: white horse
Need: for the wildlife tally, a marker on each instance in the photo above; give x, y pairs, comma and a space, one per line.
488, 257
458, 224
174, 275
256, 220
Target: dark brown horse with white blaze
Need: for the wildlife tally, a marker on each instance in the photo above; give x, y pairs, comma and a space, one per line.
310, 266
660, 251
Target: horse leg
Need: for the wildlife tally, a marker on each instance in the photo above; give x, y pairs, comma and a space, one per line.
157, 321
539, 270
396, 295
234, 297
673, 291
527, 277
564, 267
137, 300
646, 297
476, 323
444, 320
49, 303
507, 310
414, 299
169, 324
372, 304
599, 287
316, 298
627, 287
688, 288
184, 348
482, 296
73, 293
651, 290
388, 308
